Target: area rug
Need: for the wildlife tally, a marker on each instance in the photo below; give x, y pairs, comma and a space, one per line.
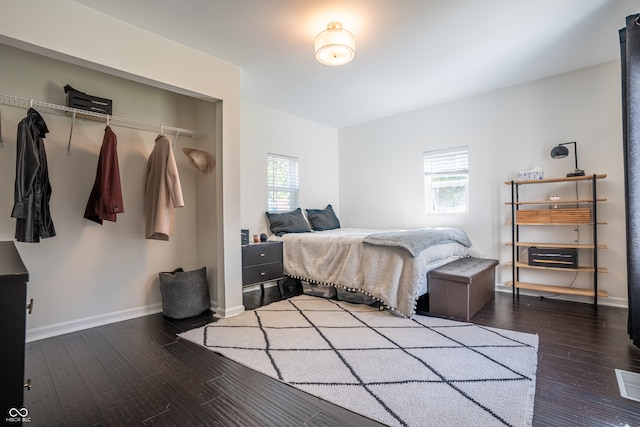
423, 371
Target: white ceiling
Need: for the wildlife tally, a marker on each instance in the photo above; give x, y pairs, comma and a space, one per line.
409, 53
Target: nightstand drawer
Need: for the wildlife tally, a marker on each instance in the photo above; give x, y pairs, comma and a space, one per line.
261, 273
261, 253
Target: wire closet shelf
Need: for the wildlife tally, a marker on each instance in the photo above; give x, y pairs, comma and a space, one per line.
46, 107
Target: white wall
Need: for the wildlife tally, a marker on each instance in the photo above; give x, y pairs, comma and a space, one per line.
119, 49
381, 175
265, 130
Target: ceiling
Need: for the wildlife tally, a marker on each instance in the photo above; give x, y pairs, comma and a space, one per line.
410, 54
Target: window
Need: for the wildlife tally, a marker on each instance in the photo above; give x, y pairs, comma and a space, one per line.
282, 180
446, 180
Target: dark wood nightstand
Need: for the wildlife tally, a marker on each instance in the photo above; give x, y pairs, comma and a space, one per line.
261, 263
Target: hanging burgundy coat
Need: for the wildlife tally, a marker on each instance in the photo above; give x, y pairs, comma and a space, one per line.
105, 200
32, 191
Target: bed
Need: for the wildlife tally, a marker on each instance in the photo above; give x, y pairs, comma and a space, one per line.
388, 265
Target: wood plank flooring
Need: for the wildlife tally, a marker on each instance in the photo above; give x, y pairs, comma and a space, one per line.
137, 372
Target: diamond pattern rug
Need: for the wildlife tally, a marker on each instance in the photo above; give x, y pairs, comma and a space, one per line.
399, 371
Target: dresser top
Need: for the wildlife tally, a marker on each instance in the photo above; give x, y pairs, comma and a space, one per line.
12, 269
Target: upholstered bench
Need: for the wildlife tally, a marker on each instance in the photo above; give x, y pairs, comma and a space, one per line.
461, 288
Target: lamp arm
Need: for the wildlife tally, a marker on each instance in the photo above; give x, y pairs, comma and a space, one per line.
575, 151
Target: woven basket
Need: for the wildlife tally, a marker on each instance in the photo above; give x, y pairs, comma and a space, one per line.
184, 293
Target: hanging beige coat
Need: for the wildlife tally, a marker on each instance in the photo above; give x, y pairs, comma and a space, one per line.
163, 192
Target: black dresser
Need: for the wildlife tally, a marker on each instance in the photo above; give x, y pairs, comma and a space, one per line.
262, 262
13, 313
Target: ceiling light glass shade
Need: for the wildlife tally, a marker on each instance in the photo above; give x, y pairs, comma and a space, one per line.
335, 46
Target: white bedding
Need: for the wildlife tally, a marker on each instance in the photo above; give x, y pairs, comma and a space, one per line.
339, 258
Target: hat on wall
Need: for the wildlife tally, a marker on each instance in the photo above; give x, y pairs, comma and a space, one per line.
200, 159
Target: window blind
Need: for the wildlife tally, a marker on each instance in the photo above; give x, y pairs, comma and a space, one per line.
447, 162
282, 181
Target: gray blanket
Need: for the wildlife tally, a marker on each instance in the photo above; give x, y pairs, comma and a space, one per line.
415, 241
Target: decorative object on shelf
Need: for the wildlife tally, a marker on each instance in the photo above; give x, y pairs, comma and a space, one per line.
555, 198
83, 101
263, 237
553, 257
531, 175
244, 236
560, 152
553, 216
335, 45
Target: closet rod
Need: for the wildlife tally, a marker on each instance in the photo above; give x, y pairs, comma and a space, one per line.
45, 107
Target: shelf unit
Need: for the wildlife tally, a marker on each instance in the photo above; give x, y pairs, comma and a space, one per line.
558, 216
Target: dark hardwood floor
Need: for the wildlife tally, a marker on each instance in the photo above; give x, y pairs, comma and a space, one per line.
137, 372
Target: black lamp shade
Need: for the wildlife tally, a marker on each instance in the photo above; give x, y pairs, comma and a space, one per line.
559, 152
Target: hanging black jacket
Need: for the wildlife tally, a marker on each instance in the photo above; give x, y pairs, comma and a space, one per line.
32, 186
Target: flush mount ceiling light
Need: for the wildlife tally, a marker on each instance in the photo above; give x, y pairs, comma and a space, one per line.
335, 46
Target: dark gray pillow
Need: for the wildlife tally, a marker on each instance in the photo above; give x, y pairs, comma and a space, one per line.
288, 222
323, 219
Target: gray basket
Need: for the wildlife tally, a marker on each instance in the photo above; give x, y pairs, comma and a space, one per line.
184, 293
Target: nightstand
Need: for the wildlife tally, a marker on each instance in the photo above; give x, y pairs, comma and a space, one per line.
261, 263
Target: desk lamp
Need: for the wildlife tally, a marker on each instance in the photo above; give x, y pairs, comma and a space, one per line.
560, 152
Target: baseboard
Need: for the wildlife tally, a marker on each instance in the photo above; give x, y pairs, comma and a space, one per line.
230, 312
34, 334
